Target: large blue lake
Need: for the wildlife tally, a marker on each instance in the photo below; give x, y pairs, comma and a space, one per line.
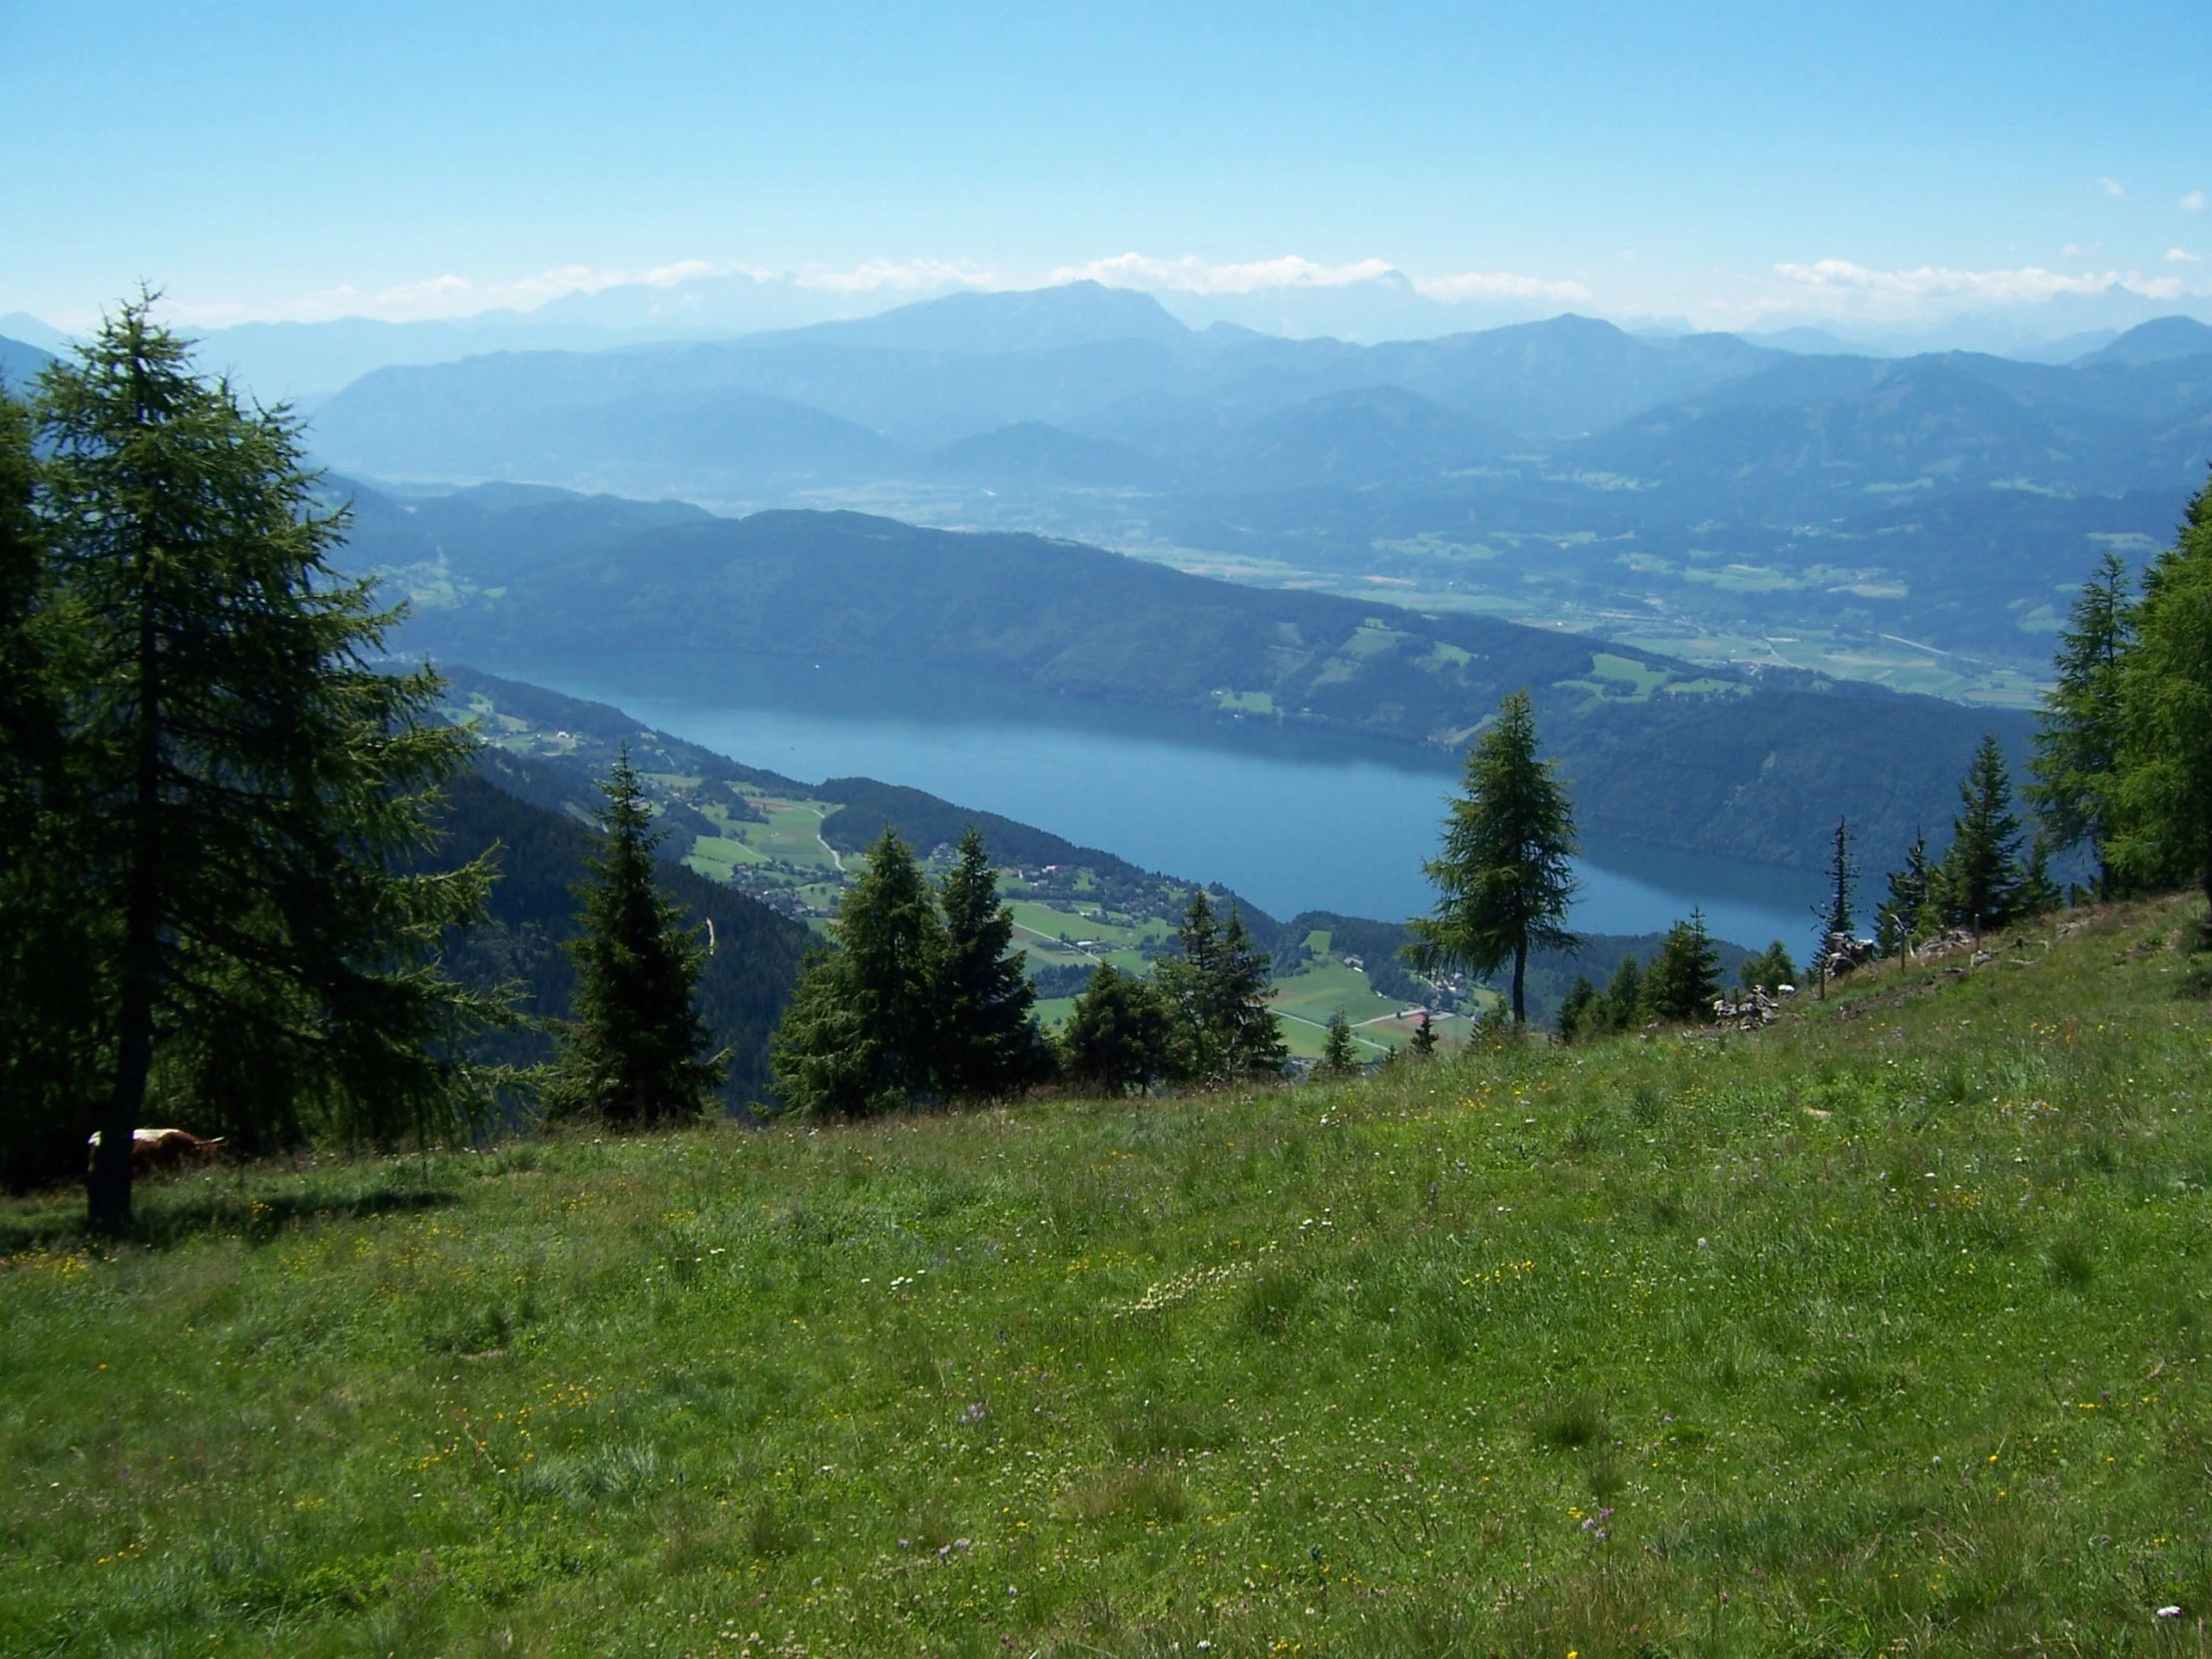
1292, 820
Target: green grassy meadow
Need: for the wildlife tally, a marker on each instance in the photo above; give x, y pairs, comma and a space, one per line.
1879, 1331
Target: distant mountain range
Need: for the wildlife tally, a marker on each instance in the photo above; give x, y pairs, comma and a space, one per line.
1918, 521
1700, 493
1755, 766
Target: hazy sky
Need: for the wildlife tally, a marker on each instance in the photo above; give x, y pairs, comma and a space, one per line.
1717, 161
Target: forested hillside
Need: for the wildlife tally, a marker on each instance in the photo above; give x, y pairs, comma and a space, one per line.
1725, 761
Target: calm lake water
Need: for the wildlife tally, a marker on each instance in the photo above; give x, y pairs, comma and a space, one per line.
1294, 821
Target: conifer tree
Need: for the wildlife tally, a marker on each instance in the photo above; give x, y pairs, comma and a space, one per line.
1217, 993
1339, 1059
1423, 1043
1624, 996
1504, 877
989, 1045
1251, 1034
51, 960
860, 1033
1902, 920
249, 780
2165, 757
1117, 1037
1977, 885
1838, 923
1767, 971
1582, 1010
2078, 729
1685, 976
637, 1055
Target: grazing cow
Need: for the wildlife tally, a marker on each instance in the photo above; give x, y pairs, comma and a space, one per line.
153, 1149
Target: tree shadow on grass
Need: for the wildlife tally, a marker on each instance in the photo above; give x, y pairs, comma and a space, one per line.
168, 1217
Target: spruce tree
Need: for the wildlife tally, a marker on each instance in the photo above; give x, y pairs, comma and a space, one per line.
1217, 993
637, 1054
1624, 996
2165, 759
1581, 1010
860, 1033
989, 1045
1503, 879
1977, 885
1423, 1044
1251, 1034
1339, 1059
1117, 1037
1902, 918
1838, 923
1767, 971
1684, 978
249, 779
2078, 729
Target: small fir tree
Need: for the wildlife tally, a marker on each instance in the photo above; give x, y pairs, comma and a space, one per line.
859, 1034
1903, 919
2078, 730
1767, 971
1423, 1043
1838, 923
1217, 993
637, 1054
1685, 976
1117, 1039
989, 1045
1503, 879
1624, 997
1250, 1031
2164, 790
1582, 1010
1977, 885
1339, 1059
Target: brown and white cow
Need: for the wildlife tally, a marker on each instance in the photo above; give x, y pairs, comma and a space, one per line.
153, 1149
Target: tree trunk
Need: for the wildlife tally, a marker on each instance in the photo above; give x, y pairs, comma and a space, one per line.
108, 1190
1520, 975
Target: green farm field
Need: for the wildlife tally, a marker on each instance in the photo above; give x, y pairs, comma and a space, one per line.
1883, 1331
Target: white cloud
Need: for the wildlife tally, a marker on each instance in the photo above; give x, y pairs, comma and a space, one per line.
2113, 188
900, 275
444, 295
1498, 284
1839, 286
1191, 274
2193, 203
2072, 251
2182, 256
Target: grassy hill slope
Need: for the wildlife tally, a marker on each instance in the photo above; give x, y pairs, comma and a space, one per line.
1883, 1331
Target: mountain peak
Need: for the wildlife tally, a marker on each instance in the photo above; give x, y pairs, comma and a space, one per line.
1028, 320
2161, 339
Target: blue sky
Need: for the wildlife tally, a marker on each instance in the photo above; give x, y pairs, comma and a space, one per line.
1738, 165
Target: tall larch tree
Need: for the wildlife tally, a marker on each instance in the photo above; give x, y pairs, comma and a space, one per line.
251, 776
1503, 879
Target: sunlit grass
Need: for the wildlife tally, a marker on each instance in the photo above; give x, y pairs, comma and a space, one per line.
1879, 1331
